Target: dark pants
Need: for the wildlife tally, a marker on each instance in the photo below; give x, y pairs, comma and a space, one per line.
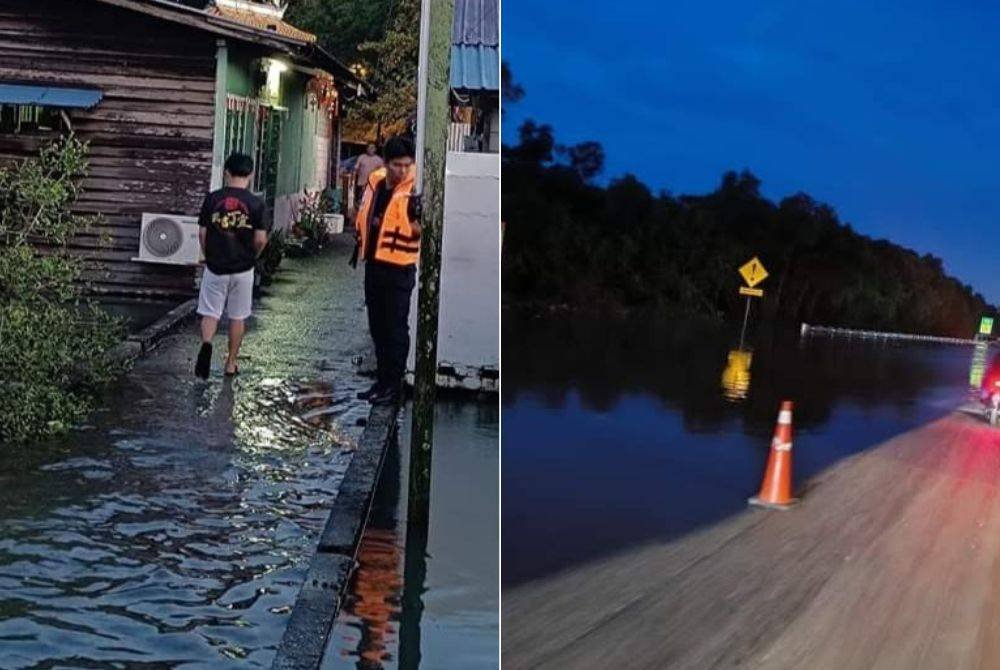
359, 192
387, 295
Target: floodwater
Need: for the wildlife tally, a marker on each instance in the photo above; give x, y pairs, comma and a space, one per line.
437, 608
620, 432
174, 530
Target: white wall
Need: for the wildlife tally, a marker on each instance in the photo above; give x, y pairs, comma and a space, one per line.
469, 324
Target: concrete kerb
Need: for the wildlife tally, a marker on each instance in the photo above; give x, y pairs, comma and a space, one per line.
326, 582
315, 610
145, 340
150, 336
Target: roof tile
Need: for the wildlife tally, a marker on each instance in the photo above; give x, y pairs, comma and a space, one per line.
262, 22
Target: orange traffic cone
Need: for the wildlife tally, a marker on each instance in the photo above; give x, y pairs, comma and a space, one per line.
776, 489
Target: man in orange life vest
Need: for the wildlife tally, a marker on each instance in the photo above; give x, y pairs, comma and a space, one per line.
388, 239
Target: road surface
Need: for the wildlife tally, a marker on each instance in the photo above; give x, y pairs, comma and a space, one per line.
889, 562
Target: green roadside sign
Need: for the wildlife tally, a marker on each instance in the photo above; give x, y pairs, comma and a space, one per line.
986, 326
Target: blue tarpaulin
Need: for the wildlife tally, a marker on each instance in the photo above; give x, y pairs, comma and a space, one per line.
48, 96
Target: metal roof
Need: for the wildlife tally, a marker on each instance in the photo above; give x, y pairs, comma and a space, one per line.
475, 50
475, 68
48, 96
476, 22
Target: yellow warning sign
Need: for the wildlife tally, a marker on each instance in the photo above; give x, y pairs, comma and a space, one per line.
755, 292
753, 272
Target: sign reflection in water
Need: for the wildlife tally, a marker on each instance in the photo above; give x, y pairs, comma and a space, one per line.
978, 366
736, 375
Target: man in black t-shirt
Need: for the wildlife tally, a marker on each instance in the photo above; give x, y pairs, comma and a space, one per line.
232, 236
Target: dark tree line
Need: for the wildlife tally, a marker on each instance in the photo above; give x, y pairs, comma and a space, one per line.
571, 242
376, 38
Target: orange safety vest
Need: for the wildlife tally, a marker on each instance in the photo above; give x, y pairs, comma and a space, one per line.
397, 243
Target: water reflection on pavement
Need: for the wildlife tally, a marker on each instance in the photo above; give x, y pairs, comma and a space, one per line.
174, 530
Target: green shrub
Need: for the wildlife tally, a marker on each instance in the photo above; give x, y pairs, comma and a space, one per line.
53, 341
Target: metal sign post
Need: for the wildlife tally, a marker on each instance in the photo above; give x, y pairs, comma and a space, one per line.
746, 317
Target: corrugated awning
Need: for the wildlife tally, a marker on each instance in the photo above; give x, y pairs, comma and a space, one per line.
475, 68
476, 22
49, 96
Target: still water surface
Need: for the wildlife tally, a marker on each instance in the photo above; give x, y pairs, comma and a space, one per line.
618, 432
438, 608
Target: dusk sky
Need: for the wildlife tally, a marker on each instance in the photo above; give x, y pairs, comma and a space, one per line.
889, 114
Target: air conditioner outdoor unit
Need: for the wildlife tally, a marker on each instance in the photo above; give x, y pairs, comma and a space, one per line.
170, 239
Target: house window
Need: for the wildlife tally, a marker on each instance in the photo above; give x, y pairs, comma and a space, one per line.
254, 128
267, 152
40, 110
30, 119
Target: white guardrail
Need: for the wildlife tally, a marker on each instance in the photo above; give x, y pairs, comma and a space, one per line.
876, 335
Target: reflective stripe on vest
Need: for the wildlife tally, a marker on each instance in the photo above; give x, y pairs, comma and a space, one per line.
397, 243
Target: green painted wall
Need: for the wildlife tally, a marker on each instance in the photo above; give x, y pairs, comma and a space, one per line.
293, 98
297, 162
307, 166
240, 77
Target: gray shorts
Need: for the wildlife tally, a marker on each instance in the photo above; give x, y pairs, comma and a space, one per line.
233, 292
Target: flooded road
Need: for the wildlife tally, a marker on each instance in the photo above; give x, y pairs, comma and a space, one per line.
174, 530
622, 432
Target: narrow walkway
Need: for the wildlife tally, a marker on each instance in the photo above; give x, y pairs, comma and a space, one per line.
890, 562
176, 528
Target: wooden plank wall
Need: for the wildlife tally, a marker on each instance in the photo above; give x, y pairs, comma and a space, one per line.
150, 136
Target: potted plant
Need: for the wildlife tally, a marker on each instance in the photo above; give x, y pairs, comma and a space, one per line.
309, 229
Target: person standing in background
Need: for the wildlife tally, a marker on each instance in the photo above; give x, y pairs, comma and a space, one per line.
367, 163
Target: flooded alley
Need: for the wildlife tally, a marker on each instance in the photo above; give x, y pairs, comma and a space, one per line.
174, 529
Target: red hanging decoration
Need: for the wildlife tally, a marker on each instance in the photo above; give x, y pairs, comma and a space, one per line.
324, 92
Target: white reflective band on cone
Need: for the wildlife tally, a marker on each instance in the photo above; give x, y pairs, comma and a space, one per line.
778, 445
785, 417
